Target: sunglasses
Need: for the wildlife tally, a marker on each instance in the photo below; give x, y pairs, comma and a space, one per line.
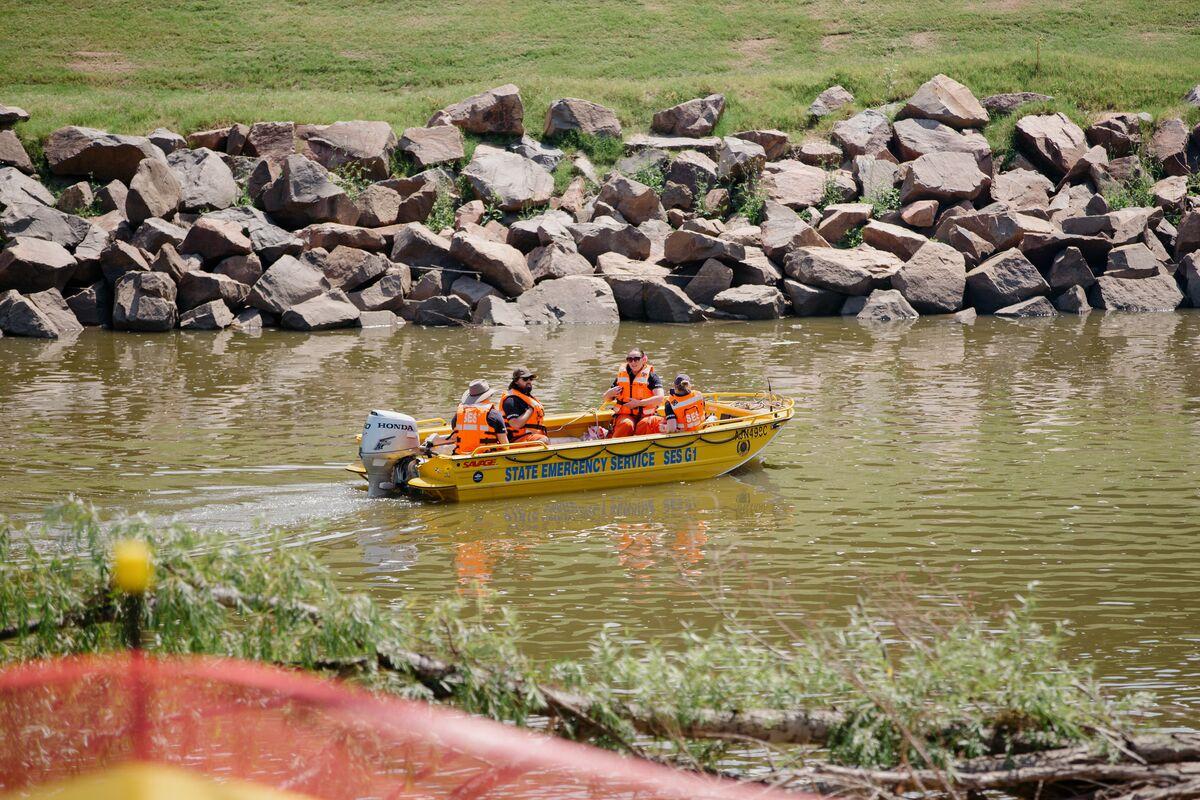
634, 358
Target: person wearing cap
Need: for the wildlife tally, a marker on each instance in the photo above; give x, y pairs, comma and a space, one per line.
476, 423
637, 391
685, 409
523, 414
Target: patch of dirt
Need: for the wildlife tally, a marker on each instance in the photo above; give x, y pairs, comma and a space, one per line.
923, 40
833, 42
99, 62
755, 50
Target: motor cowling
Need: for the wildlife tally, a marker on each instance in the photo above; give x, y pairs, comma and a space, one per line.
388, 438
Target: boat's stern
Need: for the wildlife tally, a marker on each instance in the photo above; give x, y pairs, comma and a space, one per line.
390, 444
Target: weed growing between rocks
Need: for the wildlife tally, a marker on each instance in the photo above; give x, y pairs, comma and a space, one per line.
441, 216
883, 202
749, 200
352, 178
653, 176
602, 150
563, 173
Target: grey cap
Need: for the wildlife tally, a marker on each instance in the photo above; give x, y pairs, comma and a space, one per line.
477, 391
523, 372
681, 379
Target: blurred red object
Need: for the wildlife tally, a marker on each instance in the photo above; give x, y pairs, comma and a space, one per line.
233, 720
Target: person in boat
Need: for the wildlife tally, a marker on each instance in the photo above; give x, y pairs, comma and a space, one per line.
685, 409
523, 413
476, 422
638, 392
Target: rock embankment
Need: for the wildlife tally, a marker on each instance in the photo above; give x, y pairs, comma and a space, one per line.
904, 211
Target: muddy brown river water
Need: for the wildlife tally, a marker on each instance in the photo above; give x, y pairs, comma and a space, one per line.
967, 460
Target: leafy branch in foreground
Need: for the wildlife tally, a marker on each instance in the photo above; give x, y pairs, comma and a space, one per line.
906, 689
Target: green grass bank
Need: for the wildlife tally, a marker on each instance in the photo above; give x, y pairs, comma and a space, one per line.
132, 65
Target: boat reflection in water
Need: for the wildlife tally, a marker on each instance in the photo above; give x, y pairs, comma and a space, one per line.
654, 534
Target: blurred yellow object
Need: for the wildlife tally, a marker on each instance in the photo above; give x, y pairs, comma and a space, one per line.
132, 570
142, 781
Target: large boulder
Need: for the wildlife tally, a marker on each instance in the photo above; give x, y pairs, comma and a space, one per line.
329, 310
153, 233
696, 117
683, 246
498, 312
830, 100
273, 141
144, 301
1008, 102
214, 239
155, 191
1022, 189
499, 264
710, 280
1157, 293
119, 257
443, 310
1033, 307
198, 288
206, 181
92, 305
570, 300
1169, 146
665, 302
387, 293
1119, 134
1068, 269
793, 183
36, 221
607, 235
366, 146
853, 272
635, 201
886, 305
104, 156
378, 206
751, 302
42, 315
1003, 280
783, 232
813, 301
895, 239
169, 261
570, 114
943, 176
349, 268
774, 143
286, 283
166, 140
918, 137
739, 158
303, 194
499, 111
692, 169
933, 280
557, 260
34, 265
417, 246
1073, 301
12, 153
11, 115
429, 147
867, 133
16, 187
946, 100
211, 316
510, 181
330, 235
838, 219
1052, 141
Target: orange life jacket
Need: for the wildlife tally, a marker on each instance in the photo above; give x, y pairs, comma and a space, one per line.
472, 428
690, 411
534, 423
637, 389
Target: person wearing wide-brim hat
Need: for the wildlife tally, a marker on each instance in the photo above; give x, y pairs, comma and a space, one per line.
477, 422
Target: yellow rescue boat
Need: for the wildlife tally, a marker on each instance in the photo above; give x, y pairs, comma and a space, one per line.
392, 460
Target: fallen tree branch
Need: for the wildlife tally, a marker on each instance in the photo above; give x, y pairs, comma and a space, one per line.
99, 609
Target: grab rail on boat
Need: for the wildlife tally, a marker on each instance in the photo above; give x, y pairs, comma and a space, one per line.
497, 448
426, 422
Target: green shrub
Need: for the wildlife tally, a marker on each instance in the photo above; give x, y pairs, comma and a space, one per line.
653, 176
749, 200
884, 201
602, 150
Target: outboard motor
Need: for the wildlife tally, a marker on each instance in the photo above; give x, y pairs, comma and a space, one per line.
388, 451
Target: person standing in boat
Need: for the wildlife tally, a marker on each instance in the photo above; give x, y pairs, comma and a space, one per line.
523, 414
637, 391
476, 422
